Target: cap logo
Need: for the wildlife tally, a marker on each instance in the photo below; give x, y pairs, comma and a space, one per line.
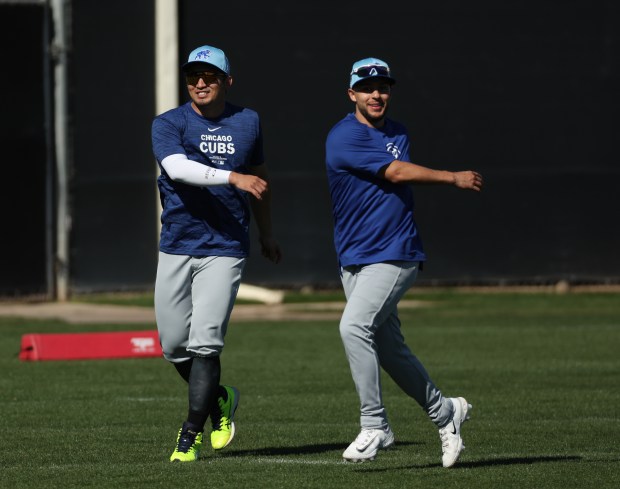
202, 54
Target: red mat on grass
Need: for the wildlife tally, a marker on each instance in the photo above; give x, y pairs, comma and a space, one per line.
85, 346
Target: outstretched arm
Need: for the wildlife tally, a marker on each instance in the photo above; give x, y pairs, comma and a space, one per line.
261, 209
404, 172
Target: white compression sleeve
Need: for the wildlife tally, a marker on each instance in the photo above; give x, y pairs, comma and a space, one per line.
180, 169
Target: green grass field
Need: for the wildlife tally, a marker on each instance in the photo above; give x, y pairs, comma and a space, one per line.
542, 372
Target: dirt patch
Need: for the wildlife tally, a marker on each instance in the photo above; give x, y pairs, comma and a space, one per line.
80, 313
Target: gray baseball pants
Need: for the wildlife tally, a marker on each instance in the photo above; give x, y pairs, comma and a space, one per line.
194, 297
370, 331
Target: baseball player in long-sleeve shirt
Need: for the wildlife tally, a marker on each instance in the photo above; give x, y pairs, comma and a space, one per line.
212, 173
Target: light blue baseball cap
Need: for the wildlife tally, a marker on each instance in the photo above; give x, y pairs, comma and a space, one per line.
370, 68
208, 55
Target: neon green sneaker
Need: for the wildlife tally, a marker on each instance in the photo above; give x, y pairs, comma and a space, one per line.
222, 419
188, 446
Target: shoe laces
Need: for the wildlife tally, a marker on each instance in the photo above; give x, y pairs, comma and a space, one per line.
217, 419
444, 434
219, 423
364, 437
186, 441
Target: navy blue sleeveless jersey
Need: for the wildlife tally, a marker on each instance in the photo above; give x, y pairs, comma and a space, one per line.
214, 220
373, 218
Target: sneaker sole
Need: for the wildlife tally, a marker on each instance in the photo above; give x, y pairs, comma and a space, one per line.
179, 461
362, 459
367, 459
389, 444
359, 460
232, 435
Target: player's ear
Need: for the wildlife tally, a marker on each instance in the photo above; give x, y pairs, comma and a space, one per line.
229, 82
352, 96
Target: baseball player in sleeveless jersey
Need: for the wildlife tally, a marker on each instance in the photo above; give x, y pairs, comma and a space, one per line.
210, 153
380, 253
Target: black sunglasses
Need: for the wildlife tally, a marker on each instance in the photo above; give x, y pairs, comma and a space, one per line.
209, 78
371, 70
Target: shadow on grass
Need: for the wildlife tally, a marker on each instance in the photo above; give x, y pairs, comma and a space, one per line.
300, 450
496, 462
519, 461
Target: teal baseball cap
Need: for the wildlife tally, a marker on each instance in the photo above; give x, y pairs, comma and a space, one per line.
208, 55
370, 68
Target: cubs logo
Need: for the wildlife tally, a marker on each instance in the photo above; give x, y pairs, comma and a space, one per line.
393, 149
202, 54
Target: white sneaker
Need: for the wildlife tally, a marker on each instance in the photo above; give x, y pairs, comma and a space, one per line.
368, 443
451, 442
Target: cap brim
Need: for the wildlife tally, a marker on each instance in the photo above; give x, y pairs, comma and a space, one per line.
192, 64
391, 80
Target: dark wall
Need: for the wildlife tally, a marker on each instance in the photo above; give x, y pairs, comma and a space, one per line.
23, 143
526, 94
114, 234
